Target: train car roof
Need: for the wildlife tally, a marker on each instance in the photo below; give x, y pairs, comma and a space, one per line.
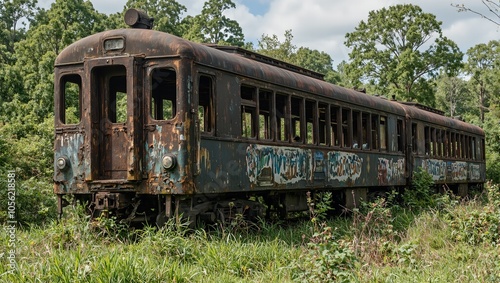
431, 116
156, 44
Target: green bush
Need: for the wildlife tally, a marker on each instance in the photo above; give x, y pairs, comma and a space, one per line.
325, 259
421, 194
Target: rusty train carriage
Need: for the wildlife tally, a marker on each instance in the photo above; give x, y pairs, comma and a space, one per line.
164, 124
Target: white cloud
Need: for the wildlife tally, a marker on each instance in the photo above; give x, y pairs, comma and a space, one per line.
322, 24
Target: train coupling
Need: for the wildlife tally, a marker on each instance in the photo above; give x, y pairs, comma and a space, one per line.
108, 200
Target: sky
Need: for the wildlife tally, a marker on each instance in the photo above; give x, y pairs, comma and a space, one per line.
323, 24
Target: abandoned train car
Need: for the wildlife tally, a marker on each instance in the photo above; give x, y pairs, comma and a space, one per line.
151, 126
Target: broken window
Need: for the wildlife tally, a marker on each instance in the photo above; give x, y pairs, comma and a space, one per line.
281, 113
248, 111
265, 106
297, 104
311, 123
163, 94
205, 104
71, 99
334, 112
383, 132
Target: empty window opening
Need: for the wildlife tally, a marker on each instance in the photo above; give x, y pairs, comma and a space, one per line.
297, 115
248, 111
265, 106
311, 123
323, 129
334, 112
163, 94
281, 114
205, 104
71, 99
383, 132
375, 137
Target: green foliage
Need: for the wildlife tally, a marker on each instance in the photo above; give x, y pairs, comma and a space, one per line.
478, 224
421, 194
211, 26
483, 65
326, 259
304, 57
387, 52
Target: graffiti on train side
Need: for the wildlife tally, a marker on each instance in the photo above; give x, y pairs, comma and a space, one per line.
457, 170
390, 170
436, 168
281, 165
343, 166
474, 172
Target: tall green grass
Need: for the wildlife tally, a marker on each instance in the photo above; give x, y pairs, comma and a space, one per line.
380, 242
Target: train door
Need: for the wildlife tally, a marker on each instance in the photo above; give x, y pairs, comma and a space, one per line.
116, 118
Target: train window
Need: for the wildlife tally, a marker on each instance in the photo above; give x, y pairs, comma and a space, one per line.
110, 83
439, 143
483, 151
383, 132
323, 129
265, 106
473, 145
375, 126
447, 147
71, 99
346, 127
248, 111
334, 113
365, 123
427, 138
163, 94
297, 115
414, 137
433, 142
453, 145
356, 141
311, 123
399, 132
281, 113
205, 104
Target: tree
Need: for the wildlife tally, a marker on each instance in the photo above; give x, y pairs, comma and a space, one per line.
211, 26
166, 13
11, 12
399, 50
304, 57
272, 47
483, 65
453, 96
492, 6
65, 22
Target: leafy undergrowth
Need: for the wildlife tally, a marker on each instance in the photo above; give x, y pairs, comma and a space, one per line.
379, 242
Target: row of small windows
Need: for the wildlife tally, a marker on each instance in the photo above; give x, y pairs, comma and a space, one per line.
268, 115
445, 143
